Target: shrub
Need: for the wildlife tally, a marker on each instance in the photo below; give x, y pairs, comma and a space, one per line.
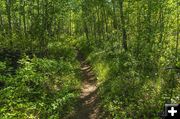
41, 88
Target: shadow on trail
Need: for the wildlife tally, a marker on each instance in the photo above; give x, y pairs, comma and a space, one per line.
88, 105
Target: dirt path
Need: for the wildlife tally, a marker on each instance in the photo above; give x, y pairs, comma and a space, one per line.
88, 106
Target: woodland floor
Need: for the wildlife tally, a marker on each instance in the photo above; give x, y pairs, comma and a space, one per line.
88, 106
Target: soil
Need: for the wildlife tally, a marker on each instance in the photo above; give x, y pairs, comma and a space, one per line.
88, 106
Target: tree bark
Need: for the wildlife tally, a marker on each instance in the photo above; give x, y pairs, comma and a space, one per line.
114, 15
8, 9
177, 35
1, 21
124, 35
24, 17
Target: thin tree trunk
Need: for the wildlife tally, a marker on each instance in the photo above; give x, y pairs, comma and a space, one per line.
38, 8
124, 35
94, 22
70, 24
149, 29
46, 15
138, 27
177, 34
161, 25
8, 9
114, 15
105, 18
1, 21
24, 17
19, 21
86, 31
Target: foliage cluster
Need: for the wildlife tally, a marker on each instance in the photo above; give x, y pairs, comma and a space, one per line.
132, 86
133, 46
40, 88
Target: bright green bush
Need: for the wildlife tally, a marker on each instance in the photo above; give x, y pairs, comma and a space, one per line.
131, 85
41, 88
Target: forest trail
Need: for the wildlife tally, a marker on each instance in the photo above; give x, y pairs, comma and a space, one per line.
88, 106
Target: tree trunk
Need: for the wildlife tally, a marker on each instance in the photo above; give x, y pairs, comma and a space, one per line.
24, 17
177, 34
8, 9
86, 31
149, 29
124, 35
114, 15
1, 22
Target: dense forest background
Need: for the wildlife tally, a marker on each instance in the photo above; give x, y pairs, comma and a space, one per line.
131, 45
